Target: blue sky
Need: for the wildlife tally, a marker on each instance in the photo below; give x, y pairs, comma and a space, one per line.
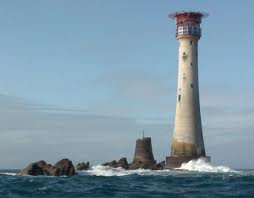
81, 77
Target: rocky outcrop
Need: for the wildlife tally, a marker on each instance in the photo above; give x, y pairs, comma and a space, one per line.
146, 165
112, 164
39, 168
48, 169
140, 165
33, 169
83, 166
159, 166
123, 163
143, 157
135, 165
63, 167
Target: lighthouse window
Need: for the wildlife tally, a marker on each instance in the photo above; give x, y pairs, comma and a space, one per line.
191, 63
190, 42
184, 77
191, 85
179, 98
184, 56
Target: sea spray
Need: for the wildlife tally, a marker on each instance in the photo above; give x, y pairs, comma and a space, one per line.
8, 174
201, 165
194, 165
117, 182
107, 171
99, 170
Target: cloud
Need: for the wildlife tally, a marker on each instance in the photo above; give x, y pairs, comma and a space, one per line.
136, 94
228, 126
108, 130
30, 134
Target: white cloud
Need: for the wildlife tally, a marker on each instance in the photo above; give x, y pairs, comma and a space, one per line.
30, 132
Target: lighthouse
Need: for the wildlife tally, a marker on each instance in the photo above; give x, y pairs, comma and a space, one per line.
187, 141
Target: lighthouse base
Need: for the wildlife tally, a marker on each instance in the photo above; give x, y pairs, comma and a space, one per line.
176, 162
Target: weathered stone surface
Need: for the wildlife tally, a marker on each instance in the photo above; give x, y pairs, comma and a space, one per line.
39, 168
143, 157
144, 152
112, 164
146, 165
47, 169
83, 166
159, 166
63, 167
31, 169
178, 148
142, 165
123, 163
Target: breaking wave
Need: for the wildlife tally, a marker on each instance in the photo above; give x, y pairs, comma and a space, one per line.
8, 173
128, 183
201, 165
107, 171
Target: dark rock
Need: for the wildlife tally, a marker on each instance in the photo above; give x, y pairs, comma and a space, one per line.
39, 168
123, 163
142, 165
83, 166
65, 167
112, 164
159, 166
47, 169
146, 165
31, 169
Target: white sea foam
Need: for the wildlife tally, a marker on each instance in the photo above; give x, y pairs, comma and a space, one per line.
201, 165
8, 173
99, 170
43, 188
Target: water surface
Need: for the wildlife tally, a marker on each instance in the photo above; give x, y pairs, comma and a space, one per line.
194, 179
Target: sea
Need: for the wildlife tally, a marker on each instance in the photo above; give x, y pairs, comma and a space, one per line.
193, 179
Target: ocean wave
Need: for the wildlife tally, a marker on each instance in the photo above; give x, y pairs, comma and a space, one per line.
201, 165
8, 173
99, 170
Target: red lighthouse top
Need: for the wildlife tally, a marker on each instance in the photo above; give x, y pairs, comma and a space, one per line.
188, 23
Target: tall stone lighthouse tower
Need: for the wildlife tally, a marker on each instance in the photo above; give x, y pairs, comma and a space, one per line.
187, 143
